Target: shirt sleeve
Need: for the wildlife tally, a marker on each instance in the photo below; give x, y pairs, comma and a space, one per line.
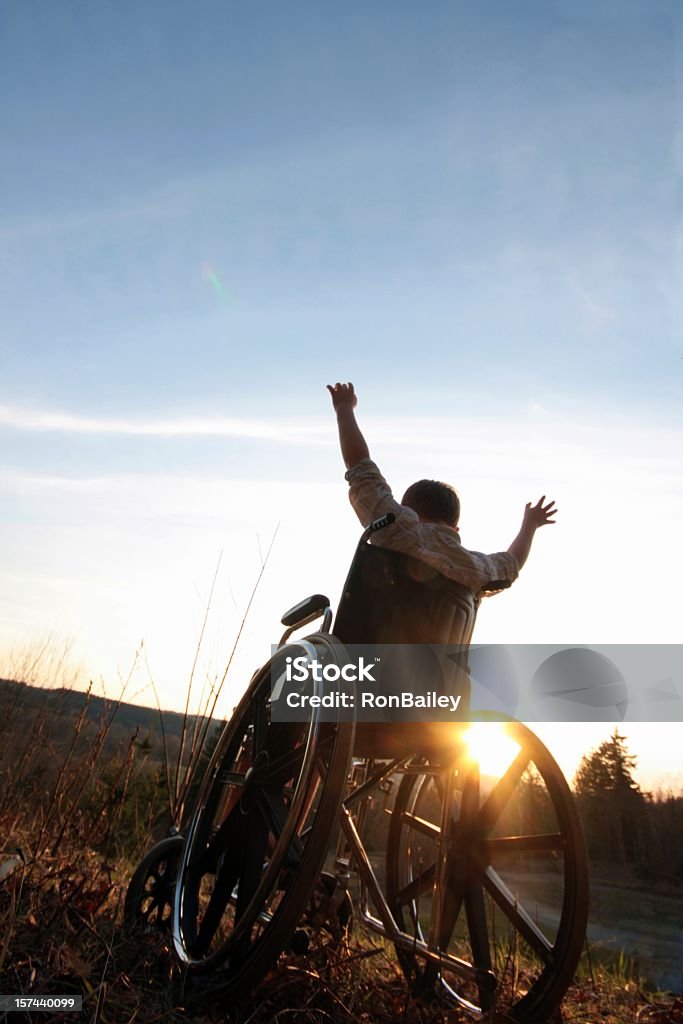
504, 566
369, 493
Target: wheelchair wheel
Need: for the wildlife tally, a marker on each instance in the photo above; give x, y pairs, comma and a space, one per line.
149, 896
259, 832
507, 892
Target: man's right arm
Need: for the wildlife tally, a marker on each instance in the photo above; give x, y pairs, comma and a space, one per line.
351, 441
369, 493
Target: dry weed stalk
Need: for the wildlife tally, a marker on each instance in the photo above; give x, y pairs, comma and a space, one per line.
193, 739
58, 792
207, 714
114, 799
102, 734
183, 734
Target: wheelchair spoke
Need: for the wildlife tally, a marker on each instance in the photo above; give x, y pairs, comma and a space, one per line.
275, 812
230, 778
516, 914
281, 738
475, 912
208, 858
532, 844
427, 828
499, 796
452, 899
256, 841
285, 767
222, 891
420, 884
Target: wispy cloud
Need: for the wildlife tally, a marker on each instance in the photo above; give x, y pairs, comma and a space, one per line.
528, 443
167, 203
513, 440
286, 431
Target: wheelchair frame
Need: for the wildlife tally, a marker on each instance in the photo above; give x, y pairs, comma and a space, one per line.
258, 838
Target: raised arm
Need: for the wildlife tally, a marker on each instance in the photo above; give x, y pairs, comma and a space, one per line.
534, 517
351, 441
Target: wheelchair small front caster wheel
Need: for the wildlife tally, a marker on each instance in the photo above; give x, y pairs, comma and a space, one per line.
329, 907
149, 897
300, 942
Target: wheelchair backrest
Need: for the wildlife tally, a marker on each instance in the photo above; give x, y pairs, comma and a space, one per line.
393, 599
389, 598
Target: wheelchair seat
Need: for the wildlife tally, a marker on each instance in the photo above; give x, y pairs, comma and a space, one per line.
391, 598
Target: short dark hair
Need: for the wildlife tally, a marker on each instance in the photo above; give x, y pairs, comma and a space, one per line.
433, 500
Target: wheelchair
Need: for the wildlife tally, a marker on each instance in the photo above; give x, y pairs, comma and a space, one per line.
483, 886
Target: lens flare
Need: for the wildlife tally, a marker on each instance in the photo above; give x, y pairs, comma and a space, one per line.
489, 744
210, 275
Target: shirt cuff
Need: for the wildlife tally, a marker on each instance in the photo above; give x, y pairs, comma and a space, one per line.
510, 559
362, 469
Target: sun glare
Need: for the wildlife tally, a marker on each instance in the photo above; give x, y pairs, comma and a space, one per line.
489, 744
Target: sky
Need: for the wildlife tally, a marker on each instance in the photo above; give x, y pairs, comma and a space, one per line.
212, 209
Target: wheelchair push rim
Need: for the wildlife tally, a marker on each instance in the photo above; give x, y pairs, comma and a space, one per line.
259, 832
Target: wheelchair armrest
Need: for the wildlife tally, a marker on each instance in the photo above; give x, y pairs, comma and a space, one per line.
316, 603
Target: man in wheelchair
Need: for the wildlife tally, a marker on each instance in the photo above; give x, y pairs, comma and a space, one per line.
483, 889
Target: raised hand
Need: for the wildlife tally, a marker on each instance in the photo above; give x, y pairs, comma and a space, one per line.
353, 446
343, 395
539, 514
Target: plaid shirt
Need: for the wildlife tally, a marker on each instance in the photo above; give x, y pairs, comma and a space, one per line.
436, 544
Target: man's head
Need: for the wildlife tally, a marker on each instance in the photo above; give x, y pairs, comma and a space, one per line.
434, 502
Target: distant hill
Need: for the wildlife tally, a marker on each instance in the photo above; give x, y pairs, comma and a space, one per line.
23, 696
46, 718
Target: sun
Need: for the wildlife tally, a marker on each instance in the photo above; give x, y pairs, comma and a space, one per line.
489, 744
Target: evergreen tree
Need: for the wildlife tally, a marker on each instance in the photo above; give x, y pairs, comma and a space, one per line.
607, 769
612, 804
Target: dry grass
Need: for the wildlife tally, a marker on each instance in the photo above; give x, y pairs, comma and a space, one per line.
61, 916
61, 925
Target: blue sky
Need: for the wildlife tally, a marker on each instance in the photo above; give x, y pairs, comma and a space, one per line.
211, 209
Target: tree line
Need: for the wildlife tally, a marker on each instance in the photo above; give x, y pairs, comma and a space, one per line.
623, 824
